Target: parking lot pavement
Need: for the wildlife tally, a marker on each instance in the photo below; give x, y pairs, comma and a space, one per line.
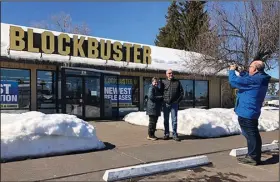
127, 145
223, 168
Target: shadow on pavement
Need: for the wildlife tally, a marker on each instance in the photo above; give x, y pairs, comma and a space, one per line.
190, 137
108, 146
274, 158
219, 177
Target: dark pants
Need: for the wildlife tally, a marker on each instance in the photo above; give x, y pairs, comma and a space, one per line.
250, 131
152, 125
173, 109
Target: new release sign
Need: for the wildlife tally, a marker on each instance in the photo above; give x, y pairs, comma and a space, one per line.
9, 94
125, 91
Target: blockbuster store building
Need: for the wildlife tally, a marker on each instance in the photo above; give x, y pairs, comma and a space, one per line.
94, 78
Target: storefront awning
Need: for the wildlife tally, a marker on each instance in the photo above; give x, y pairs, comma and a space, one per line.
92, 70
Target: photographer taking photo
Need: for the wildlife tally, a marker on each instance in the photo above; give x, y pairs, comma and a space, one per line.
252, 87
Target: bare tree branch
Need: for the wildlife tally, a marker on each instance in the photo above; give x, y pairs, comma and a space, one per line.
250, 32
63, 22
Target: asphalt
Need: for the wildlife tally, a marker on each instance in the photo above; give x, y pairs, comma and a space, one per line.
127, 145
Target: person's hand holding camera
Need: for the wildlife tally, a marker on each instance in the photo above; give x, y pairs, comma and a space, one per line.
233, 67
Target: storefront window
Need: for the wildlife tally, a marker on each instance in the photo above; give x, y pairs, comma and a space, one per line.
46, 97
15, 89
201, 94
195, 93
111, 96
147, 83
187, 101
128, 95
59, 101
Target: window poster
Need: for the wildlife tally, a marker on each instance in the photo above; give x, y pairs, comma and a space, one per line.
9, 94
111, 91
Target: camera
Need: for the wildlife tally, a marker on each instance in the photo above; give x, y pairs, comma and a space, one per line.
239, 68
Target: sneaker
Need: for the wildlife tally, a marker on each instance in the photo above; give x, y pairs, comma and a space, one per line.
176, 138
248, 160
166, 137
152, 138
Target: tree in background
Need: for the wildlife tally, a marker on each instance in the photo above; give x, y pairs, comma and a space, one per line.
250, 31
272, 89
62, 22
169, 35
184, 22
194, 21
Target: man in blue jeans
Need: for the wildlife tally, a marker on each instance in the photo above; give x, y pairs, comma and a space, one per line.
252, 87
173, 93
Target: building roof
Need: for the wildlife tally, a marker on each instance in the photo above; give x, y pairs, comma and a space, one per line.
162, 58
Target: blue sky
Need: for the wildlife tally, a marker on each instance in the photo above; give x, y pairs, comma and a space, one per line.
127, 21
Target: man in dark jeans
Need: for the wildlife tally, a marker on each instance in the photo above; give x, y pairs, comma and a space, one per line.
252, 87
173, 93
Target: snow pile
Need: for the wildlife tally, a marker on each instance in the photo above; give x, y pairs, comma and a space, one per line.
208, 123
37, 134
273, 102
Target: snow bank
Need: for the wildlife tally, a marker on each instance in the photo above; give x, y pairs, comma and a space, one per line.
273, 102
208, 123
37, 134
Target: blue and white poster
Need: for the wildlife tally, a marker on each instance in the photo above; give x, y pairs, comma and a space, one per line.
9, 94
125, 92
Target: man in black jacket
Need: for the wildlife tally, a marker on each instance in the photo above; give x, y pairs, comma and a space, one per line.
173, 93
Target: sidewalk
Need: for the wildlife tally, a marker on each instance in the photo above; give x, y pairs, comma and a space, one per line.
127, 145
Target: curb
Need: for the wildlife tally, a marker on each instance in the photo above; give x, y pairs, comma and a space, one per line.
155, 167
243, 151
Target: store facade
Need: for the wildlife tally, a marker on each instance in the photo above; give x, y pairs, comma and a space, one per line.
90, 77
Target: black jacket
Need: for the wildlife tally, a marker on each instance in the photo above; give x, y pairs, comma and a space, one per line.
154, 101
172, 91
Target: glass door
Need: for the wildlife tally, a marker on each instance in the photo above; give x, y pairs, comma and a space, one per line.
92, 99
74, 96
86, 94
